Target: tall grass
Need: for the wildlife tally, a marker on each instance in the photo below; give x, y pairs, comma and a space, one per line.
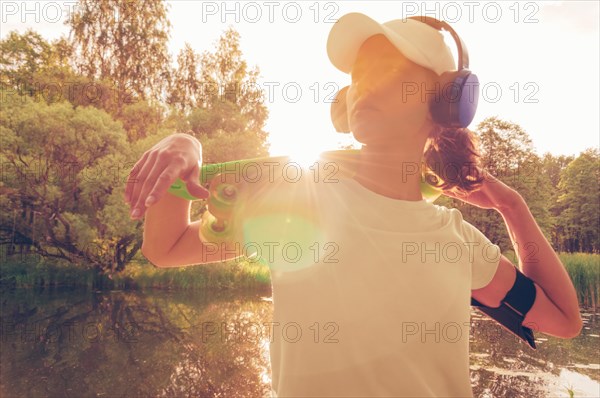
584, 271
228, 275
31, 271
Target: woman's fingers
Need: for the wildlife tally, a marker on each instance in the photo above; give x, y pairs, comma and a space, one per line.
156, 184
193, 184
454, 195
142, 180
159, 167
159, 183
132, 178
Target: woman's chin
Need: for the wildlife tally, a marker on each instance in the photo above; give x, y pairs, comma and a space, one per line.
377, 133
364, 129
371, 134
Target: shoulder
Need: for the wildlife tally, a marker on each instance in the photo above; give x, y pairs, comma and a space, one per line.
450, 216
283, 193
466, 230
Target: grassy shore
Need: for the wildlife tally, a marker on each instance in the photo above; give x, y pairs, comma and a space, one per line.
584, 270
230, 275
29, 272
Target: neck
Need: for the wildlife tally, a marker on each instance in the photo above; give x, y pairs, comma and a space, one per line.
394, 173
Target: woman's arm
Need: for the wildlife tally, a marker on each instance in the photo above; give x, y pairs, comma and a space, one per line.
556, 309
170, 239
164, 224
539, 262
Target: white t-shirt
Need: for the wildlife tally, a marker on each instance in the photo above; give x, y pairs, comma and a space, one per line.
371, 295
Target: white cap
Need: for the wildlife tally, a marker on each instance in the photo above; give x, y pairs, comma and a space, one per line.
417, 41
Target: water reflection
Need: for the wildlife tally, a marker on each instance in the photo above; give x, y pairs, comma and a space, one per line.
124, 344
504, 366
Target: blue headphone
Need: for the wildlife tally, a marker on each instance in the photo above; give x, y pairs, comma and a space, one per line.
456, 105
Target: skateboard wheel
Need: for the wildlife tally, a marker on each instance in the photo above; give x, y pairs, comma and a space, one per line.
428, 186
215, 230
223, 197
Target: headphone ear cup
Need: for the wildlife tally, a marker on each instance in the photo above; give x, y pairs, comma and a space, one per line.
457, 103
464, 110
339, 112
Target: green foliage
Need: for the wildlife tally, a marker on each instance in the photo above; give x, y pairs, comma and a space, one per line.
185, 88
562, 192
508, 154
32, 271
553, 166
31, 66
504, 145
22, 55
584, 271
124, 42
578, 205
141, 119
61, 174
229, 275
70, 137
78, 113
220, 101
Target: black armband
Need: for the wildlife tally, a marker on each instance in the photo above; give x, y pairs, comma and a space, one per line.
522, 295
513, 308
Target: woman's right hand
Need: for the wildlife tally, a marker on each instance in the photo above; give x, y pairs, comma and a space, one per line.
176, 156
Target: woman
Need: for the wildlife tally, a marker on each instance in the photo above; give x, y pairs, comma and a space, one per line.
389, 316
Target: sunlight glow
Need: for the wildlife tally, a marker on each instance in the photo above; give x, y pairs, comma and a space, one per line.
305, 157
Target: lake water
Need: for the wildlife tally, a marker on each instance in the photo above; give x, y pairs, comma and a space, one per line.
173, 344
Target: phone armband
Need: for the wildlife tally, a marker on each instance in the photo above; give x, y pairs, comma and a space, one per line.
513, 308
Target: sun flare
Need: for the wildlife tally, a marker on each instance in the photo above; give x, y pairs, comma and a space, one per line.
305, 157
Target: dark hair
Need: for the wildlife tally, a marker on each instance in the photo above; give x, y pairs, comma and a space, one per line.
452, 154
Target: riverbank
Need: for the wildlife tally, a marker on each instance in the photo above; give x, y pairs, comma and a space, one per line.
33, 272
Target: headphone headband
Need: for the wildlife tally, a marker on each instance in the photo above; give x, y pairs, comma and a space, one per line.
463, 54
458, 105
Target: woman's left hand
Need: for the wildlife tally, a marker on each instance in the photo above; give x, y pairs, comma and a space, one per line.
493, 194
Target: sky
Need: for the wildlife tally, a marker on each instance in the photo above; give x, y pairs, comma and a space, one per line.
537, 62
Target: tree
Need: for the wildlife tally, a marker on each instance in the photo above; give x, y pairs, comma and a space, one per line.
185, 86
67, 166
229, 116
579, 203
141, 119
218, 99
29, 65
553, 166
504, 145
124, 42
225, 77
22, 55
508, 154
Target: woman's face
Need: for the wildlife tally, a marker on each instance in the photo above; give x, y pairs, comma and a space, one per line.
388, 98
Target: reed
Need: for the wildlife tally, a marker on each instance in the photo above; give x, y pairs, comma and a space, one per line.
227, 275
584, 270
32, 271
